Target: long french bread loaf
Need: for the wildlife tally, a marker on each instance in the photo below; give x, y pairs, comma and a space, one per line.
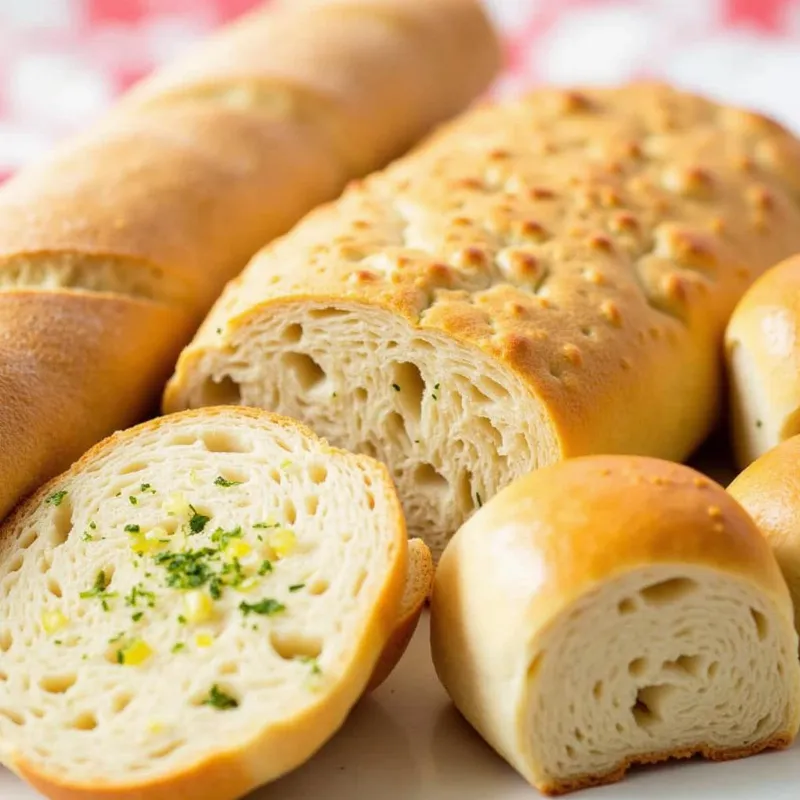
193, 608
113, 248
543, 279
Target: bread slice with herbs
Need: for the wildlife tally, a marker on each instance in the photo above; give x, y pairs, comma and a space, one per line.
193, 608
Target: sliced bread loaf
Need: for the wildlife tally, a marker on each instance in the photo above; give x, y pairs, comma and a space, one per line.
609, 611
193, 608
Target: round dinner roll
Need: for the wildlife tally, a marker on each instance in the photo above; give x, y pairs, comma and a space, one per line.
769, 489
763, 356
614, 610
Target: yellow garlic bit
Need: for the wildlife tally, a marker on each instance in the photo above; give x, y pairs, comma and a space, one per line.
282, 542
136, 653
156, 726
150, 542
53, 621
199, 607
238, 549
204, 640
176, 505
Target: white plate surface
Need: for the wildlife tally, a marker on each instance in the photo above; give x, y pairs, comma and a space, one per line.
408, 743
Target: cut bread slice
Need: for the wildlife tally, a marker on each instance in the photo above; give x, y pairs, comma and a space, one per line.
609, 611
193, 608
419, 583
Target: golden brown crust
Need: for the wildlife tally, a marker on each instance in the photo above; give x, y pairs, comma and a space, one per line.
229, 774
764, 386
769, 490
168, 197
63, 356
419, 583
593, 242
565, 787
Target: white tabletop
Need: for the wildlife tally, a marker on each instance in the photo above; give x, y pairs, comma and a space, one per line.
408, 743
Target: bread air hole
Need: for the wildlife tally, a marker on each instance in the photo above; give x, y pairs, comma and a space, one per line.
54, 587
408, 388
57, 684
166, 749
6, 640
690, 666
85, 721
312, 504
27, 539
12, 716
395, 427
62, 522
120, 702
289, 511
15, 563
233, 476
292, 333
225, 442
307, 372
358, 583
626, 606
649, 700
291, 645
318, 473
762, 627
318, 586
668, 591
637, 667
428, 479
222, 392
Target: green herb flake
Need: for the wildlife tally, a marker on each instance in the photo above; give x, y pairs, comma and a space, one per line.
181, 619
395, 387
177, 647
93, 525
297, 587
137, 593
120, 657
87, 537
146, 487
223, 538
225, 483
313, 663
116, 638
198, 522
266, 566
132, 529
56, 498
478, 500
188, 570
267, 525
137, 616
759, 423
133, 500
220, 700
435, 393
267, 607
99, 590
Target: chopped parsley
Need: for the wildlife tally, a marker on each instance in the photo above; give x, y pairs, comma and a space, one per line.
132, 529
395, 387
56, 498
223, 537
87, 537
478, 500
133, 500
315, 667
267, 525
188, 570
198, 521
116, 638
93, 525
146, 487
759, 423
137, 593
99, 590
224, 482
177, 647
181, 619
435, 393
220, 700
267, 607
137, 616
297, 587
266, 566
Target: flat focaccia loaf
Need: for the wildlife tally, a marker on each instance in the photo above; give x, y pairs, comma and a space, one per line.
193, 608
615, 610
546, 278
124, 236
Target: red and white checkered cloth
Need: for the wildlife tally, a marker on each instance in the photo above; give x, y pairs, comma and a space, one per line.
63, 61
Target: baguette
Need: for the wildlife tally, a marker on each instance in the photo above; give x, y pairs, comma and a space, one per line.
544, 279
769, 490
763, 358
193, 608
610, 611
155, 208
